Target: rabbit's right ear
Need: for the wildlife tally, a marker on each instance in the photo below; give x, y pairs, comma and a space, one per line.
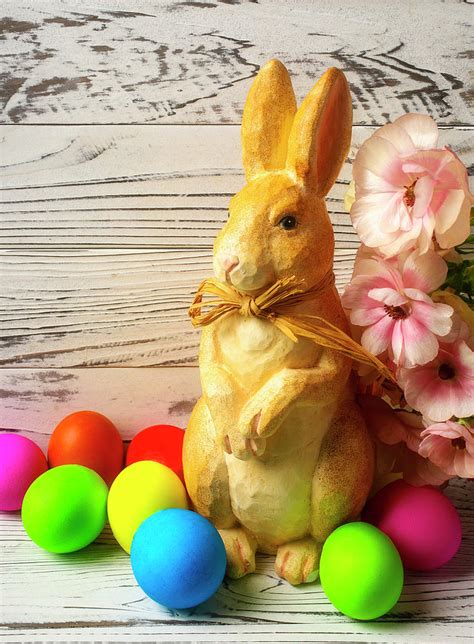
267, 119
321, 134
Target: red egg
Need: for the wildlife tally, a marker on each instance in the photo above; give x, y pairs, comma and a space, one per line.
421, 521
90, 439
161, 443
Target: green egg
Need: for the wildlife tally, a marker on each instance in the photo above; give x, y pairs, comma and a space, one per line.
65, 508
361, 571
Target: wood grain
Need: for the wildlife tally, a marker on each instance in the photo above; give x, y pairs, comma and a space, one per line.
105, 308
93, 592
33, 401
139, 186
192, 61
155, 195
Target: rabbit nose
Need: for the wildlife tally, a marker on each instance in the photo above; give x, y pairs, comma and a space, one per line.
229, 262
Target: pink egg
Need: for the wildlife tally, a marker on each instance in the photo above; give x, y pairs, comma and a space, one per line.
421, 521
21, 462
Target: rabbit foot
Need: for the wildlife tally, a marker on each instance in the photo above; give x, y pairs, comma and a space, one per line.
240, 548
298, 561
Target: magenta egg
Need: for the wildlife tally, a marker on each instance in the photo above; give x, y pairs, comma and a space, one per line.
421, 521
21, 462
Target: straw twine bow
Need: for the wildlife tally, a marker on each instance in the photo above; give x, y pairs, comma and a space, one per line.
275, 305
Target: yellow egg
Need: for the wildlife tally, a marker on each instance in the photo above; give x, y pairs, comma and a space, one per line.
140, 490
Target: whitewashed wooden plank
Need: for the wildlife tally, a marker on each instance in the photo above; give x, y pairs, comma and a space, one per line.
95, 589
139, 186
105, 307
324, 632
33, 401
188, 62
91, 595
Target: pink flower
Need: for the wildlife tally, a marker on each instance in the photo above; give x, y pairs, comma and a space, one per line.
463, 318
389, 298
397, 439
450, 446
406, 192
444, 387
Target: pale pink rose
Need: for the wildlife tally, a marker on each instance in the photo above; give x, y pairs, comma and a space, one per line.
397, 439
407, 192
444, 387
450, 446
390, 299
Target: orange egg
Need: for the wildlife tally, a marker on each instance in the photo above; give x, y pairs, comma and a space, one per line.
90, 439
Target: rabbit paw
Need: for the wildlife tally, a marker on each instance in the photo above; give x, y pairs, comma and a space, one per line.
298, 561
240, 548
244, 444
243, 448
258, 422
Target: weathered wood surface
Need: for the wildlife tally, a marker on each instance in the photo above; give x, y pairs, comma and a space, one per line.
151, 198
192, 62
33, 401
135, 186
107, 229
92, 595
139, 186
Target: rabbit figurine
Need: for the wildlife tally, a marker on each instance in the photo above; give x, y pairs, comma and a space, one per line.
276, 453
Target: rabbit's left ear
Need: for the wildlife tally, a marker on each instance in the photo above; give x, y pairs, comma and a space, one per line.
321, 133
266, 122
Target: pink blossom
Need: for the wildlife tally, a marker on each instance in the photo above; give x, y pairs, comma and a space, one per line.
406, 192
389, 298
450, 446
444, 387
397, 439
463, 318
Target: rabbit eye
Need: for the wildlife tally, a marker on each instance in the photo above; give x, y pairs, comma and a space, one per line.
288, 222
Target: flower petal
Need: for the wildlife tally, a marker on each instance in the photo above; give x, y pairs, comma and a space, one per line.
460, 229
421, 129
420, 345
381, 158
398, 137
366, 317
449, 211
425, 272
376, 338
388, 296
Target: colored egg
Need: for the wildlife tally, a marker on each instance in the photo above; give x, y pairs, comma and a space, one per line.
361, 571
178, 558
161, 443
140, 490
90, 439
421, 521
21, 462
64, 509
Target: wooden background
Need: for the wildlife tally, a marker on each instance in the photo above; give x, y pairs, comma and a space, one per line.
119, 153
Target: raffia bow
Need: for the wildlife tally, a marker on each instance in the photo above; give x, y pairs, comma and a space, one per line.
275, 305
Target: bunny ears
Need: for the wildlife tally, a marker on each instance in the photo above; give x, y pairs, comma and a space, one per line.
311, 142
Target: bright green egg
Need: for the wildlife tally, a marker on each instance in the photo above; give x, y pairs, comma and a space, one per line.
65, 508
361, 571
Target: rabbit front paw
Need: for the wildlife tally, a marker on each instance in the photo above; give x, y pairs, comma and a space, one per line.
256, 424
243, 447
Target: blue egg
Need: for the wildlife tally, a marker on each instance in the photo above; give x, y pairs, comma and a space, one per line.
178, 558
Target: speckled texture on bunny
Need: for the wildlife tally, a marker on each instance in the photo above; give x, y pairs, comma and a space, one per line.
276, 453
